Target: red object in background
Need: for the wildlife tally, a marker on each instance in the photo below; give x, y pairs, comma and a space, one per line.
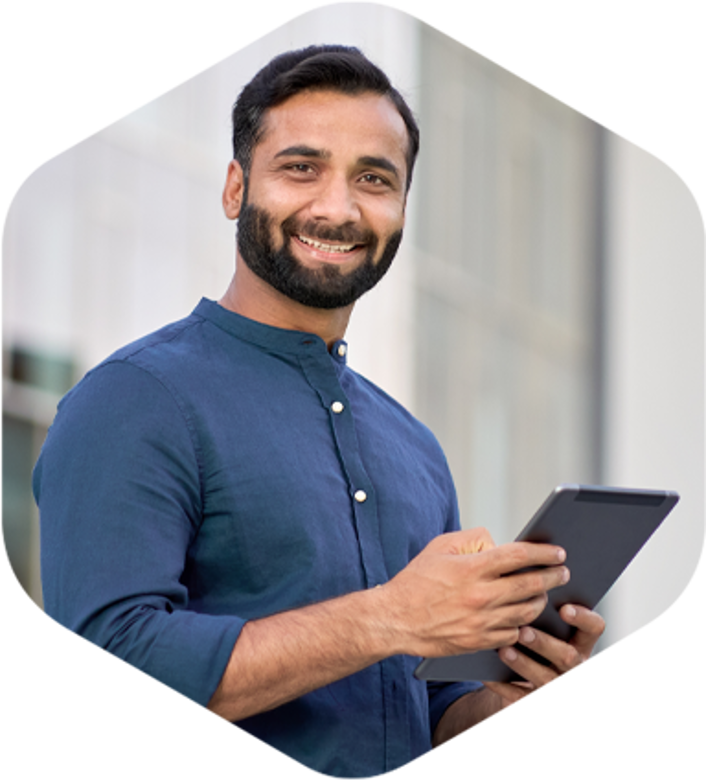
100, 717
600, 700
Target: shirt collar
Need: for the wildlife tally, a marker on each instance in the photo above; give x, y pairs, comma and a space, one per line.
271, 338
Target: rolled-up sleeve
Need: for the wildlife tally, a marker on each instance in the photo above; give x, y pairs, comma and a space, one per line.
443, 694
119, 492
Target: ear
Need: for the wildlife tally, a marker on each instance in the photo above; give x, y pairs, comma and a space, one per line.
233, 190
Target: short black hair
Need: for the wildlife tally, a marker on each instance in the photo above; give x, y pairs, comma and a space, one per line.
331, 67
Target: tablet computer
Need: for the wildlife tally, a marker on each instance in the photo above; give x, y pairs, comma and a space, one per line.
601, 529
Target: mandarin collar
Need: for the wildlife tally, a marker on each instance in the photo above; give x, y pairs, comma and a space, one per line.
271, 338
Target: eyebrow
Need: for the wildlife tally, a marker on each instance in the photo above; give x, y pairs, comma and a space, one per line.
367, 160
380, 163
303, 151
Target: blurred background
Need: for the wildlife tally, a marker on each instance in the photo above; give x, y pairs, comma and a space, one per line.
544, 316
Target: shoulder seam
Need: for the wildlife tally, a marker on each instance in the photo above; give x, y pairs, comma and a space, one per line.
177, 333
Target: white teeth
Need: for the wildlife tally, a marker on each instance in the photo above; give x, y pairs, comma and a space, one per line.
326, 248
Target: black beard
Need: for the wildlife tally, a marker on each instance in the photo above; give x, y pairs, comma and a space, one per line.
326, 288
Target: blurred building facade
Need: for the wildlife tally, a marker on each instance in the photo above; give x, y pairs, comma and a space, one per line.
508, 260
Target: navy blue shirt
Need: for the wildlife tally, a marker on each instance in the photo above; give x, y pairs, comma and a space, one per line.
221, 470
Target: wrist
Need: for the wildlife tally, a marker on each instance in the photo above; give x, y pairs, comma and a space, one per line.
466, 712
381, 622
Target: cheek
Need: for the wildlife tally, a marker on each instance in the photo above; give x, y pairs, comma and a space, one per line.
278, 196
393, 224
388, 221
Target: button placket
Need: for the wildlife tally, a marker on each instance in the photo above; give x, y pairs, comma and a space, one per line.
325, 379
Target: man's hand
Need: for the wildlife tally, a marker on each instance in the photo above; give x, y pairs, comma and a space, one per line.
561, 655
458, 595
462, 593
475, 707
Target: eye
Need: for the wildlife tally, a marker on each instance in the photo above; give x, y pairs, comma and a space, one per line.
300, 168
374, 179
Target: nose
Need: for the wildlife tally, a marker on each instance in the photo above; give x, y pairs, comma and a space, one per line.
335, 202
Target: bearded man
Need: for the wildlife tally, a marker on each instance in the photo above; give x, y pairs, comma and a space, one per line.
226, 505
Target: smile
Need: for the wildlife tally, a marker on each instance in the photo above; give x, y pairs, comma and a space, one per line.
324, 247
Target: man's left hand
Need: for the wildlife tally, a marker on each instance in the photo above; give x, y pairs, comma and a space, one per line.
474, 707
561, 655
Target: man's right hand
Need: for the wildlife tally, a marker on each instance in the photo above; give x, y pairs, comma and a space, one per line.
462, 593
458, 595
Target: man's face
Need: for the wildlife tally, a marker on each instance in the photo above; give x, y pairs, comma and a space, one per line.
326, 197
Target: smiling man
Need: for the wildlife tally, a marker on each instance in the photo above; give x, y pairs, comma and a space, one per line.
324, 217
226, 505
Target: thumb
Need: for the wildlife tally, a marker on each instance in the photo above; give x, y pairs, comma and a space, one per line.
465, 542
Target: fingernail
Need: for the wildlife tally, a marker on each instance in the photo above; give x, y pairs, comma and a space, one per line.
527, 636
560, 555
570, 612
509, 654
565, 575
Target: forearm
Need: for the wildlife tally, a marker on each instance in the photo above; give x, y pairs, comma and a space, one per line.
466, 712
279, 658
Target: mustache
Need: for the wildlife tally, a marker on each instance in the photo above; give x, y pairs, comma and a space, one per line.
345, 234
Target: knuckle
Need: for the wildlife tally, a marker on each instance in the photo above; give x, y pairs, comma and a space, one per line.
572, 657
532, 583
516, 556
534, 609
540, 582
513, 636
529, 549
478, 599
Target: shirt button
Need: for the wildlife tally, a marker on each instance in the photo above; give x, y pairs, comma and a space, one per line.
360, 496
337, 407
342, 350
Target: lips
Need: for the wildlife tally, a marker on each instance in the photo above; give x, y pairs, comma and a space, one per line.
326, 251
326, 247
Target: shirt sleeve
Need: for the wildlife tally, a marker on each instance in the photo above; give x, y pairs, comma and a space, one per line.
119, 494
443, 694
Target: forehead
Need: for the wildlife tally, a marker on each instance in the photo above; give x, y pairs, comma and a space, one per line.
364, 124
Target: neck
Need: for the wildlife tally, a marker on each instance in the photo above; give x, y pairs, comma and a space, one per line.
253, 298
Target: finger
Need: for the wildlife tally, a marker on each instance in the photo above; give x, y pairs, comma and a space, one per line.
534, 672
512, 615
510, 558
519, 587
561, 655
589, 626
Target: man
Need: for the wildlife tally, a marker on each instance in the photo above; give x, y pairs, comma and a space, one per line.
229, 507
